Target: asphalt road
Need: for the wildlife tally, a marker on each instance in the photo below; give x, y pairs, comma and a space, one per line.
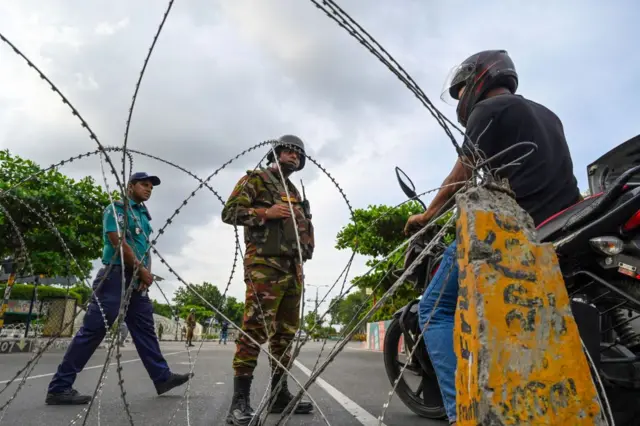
352, 391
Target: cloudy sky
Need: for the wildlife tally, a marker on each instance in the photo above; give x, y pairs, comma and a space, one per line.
226, 75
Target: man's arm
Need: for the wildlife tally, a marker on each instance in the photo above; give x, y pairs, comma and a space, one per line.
238, 209
130, 259
111, 213
456, 180
479, 134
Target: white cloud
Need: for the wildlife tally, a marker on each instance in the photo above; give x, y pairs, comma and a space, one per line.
106, 28
227, 75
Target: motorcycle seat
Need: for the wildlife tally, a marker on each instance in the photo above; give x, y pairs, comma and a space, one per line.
556, 223
585, 211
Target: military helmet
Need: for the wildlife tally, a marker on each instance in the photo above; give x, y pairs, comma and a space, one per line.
289, 141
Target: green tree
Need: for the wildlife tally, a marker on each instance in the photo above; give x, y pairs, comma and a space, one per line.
375, 232
230, 306
202, 313
162, 309
83, 291
185, 296
234, 310
349, 310
312, 320
25, 292
75, 207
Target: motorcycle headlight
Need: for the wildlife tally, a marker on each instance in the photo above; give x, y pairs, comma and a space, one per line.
607, 245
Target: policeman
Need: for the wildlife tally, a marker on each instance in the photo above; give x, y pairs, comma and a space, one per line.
139, 316
272, 271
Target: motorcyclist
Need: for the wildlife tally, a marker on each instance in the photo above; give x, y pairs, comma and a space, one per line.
483, 87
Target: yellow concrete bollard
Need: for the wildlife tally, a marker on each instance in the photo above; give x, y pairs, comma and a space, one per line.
520, 359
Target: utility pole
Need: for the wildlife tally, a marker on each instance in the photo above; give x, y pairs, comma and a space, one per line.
315, 301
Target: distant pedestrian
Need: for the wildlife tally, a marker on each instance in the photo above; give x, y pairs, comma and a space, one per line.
139, 316
160, 331
224, 330
124, 333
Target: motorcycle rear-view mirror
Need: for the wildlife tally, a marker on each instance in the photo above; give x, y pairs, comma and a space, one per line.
407, 186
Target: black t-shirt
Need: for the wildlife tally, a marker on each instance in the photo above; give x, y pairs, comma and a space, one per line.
544, 183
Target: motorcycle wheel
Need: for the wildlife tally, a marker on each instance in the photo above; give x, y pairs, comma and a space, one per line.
427, 401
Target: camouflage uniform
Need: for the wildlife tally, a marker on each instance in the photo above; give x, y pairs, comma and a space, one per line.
191, 325
273, 273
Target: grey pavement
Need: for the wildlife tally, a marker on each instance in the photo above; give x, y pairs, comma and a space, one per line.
352, 392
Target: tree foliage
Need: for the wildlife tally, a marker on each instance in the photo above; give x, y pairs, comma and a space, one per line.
375, 232
202, 313
314, 325
185, 299
184, 296
162, 309
25, 292
349, 310
74, 206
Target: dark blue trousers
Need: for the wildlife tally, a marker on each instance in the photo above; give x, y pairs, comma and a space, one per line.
139, 319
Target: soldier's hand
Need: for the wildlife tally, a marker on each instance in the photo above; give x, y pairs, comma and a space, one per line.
145, 279
278, 211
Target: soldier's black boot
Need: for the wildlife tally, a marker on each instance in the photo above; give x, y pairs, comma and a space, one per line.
283, 397
241, 413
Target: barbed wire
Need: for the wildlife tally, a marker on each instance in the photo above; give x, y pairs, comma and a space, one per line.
137, 88
355, 30
125, 297
66, 102
338, 15
100, 385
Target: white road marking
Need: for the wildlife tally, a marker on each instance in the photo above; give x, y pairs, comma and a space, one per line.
360, 414
39, 376
356, 348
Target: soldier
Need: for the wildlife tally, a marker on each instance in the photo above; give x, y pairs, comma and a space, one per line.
272, 271
191, 325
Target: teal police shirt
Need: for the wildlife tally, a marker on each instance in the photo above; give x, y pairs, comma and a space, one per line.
139, 229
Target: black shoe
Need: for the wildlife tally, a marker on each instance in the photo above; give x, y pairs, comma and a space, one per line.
284, 397
67, 397
240, 412
174, 380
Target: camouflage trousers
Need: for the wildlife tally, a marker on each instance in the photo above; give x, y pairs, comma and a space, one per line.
271, 313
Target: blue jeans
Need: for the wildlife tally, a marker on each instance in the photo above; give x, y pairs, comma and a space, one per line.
439, 333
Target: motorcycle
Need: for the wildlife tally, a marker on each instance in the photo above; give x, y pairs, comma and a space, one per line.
597, 242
